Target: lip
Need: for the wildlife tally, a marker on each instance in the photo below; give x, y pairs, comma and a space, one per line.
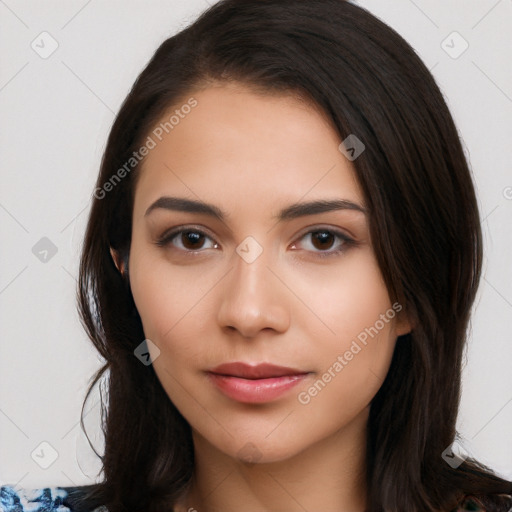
255, 371
255, 383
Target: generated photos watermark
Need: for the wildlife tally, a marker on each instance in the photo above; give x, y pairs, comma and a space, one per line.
137, 156
304, 397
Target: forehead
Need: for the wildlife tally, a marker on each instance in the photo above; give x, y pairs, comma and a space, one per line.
242, 146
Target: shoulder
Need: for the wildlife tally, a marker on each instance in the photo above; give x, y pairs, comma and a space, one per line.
469, 503
47, 499
492, 503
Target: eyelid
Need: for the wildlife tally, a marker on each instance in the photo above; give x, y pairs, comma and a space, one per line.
168, 235
347, 240
313, 228
171, 233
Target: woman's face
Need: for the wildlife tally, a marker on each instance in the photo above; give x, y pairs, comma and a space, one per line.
258, 276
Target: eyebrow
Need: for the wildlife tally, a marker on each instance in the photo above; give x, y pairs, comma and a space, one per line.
293, 211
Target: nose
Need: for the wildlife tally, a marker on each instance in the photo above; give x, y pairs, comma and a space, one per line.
253, 299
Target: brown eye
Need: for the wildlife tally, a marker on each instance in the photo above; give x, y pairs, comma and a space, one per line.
192, 240
325, 242
322, 239
186, 240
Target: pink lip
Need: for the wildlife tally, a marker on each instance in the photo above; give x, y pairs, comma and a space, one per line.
255, 383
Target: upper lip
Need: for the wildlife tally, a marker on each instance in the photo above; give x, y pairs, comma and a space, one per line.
252, 371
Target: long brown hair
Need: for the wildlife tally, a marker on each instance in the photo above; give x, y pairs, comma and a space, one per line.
424, 224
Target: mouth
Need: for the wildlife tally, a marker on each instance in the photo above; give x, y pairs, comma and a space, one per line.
255, 371
255, 383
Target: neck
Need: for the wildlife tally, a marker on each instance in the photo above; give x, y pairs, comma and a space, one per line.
327, 475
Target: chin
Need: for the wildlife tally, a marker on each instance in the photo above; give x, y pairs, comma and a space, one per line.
260, 449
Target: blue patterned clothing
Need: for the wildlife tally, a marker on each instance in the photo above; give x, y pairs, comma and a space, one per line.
58, 499
48, 499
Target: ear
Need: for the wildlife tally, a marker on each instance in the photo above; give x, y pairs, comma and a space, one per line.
118, 261
404, 323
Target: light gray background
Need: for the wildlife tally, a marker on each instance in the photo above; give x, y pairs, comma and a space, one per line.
55, 116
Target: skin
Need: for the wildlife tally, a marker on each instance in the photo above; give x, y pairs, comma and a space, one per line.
252, 155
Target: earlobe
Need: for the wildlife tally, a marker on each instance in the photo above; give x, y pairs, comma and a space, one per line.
118, 261
403, 329
403, 325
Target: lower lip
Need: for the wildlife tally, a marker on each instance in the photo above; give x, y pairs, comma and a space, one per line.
255, 391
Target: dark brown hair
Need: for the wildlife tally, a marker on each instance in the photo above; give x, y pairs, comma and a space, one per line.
424, 225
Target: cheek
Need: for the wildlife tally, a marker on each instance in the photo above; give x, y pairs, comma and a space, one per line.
355, 352
345, 300
164, 297
175, 312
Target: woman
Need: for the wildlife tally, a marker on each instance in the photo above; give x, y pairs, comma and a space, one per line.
280, 261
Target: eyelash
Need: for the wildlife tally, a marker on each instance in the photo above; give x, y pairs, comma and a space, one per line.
167, 238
